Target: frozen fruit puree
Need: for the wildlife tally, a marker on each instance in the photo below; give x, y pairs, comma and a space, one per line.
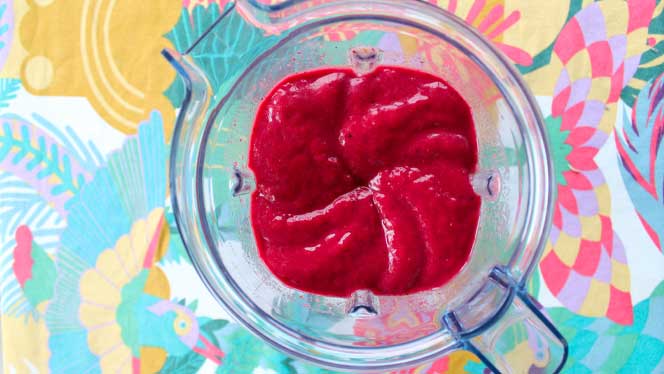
363, 181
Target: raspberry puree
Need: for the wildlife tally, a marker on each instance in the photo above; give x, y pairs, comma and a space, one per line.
363, 181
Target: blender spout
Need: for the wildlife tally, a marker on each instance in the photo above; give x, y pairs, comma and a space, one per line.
184, 147
197, 88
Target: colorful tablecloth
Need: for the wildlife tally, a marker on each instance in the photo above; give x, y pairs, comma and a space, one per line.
93, 276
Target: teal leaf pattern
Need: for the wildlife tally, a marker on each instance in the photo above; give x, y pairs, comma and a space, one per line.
87, 154
186, 364
6, 29
34, 156
221, 55
8, 89
212, 326
598, 345
128, 188
39, 173
641, 154
651, 64
245, 353
192, 361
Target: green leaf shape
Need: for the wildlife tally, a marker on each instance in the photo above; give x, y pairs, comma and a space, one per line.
559, 148
224, 53
186, 364
87, 154
38, 155
245, 353
126, 314
212, 326
39, 287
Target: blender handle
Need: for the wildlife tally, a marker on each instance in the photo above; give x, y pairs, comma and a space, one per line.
518, 338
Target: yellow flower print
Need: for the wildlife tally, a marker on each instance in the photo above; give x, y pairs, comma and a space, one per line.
101, 289
105, 50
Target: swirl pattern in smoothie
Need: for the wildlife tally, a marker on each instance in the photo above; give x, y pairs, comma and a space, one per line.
363, 181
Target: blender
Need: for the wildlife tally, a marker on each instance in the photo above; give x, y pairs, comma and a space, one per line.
485, 308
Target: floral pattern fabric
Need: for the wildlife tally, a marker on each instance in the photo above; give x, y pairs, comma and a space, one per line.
93, 273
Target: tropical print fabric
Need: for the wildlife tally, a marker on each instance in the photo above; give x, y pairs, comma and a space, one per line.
93, 274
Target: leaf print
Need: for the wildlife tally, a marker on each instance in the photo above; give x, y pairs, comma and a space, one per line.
641, 155
33, 155
87, 154
8, 89
6, 29
584, 264
598, 345
223, 53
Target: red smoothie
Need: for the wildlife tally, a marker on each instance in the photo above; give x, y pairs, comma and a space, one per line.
363, 181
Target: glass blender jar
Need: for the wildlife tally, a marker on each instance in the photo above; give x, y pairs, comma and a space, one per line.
485, 308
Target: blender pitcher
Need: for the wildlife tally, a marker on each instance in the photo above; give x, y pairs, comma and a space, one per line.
485, 308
